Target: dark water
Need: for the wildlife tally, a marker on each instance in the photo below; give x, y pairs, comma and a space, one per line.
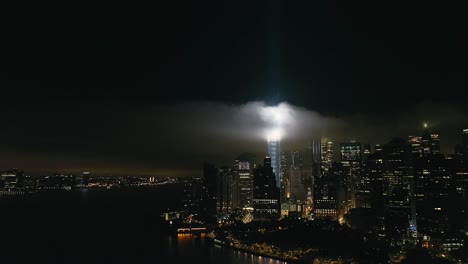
102, 226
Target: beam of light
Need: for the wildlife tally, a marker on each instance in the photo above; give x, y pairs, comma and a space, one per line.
274, 134
279, 114
277, 117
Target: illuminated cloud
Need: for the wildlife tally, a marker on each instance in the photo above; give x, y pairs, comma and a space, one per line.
274, 134
252, 121
182, 136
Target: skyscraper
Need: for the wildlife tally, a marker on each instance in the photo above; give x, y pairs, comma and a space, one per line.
351, 151
210, 181
416, 145
366, 151
325, 206
351, 158
426, 141
433, 180
266, 193
430, 142
325, 203
297, 162
373, 180
398, 178
363, 185
224, 190
316, 157
273, 147
326, 150
210, 176
284, 176
297, 189
243, 174
435, 143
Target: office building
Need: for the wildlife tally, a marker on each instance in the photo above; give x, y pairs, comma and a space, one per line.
351, 157
273, 149
224, 191
326, 150
398, 191
266, 194
244, 178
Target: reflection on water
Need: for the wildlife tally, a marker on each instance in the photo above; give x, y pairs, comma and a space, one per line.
198, 249
110, 226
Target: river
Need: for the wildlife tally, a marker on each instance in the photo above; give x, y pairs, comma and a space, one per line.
103, 226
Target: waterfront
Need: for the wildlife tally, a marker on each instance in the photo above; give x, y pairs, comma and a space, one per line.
186, 248
103, 226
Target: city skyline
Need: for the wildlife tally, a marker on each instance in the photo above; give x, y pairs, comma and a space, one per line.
150, 144
197, 172
266, 131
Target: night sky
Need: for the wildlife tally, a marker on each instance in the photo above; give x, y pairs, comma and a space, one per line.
157, 88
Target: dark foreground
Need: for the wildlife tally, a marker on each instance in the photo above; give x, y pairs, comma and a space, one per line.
103, 226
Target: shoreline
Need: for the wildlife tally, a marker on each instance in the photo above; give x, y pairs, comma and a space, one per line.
216, 241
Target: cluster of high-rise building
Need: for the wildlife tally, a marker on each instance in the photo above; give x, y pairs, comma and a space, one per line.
412, 190
245, 186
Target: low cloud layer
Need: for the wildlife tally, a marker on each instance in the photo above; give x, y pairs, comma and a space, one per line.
176, 139
219, 132
248, 122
